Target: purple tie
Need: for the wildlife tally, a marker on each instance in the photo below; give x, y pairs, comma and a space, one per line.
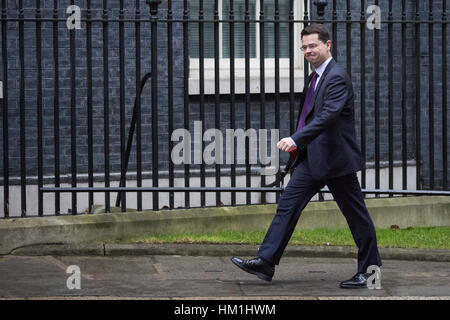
307, 105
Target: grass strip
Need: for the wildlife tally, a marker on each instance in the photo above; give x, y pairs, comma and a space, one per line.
429, 237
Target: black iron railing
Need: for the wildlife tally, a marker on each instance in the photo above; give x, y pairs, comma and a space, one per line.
67, 98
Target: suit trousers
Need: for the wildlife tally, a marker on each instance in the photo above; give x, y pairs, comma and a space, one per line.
299, 191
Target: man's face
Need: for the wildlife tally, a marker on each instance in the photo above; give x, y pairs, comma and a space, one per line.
315, 51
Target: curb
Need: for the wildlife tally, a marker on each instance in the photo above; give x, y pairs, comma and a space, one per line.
109, 249
103, 228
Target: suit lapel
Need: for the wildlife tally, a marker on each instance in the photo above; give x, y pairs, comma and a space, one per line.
322, 78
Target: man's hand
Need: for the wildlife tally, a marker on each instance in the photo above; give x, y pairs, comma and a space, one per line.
285, 144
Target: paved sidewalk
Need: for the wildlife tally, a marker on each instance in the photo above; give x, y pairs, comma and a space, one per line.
207, 277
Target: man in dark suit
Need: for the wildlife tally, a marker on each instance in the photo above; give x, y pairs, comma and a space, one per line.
326, 153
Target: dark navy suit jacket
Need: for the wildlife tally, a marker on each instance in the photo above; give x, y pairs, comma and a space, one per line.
328, 140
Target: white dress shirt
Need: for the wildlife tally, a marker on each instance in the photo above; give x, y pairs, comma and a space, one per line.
321, 69
319, 72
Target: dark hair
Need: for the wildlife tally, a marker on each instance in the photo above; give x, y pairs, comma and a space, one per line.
320, 29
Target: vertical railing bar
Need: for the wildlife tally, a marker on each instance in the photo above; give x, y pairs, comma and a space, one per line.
73, 117
170, 97
201, 32
348, 39
418, 96
247, 99
431, 94
377, 107
444, 98
390, 101
56, 105
232, 99
186, 91
154, 100
320, 13
334, 27
277, 78
404, 111
5, 113
262, 83
22, 113
363, 89
138, 107
122, 105
106, 104
125, 148
217, 90
305, 62
291, 68
89, 106
39, 107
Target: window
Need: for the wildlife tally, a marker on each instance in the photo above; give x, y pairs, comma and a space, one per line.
239, 35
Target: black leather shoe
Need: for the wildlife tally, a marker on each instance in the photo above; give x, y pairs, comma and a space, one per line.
256, 266
359, 280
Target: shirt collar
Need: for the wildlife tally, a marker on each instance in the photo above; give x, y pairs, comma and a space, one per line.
322, 67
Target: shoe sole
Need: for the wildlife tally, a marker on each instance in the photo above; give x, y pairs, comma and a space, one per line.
353, 286
260, 275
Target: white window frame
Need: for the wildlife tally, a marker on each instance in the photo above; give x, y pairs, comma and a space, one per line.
269, 63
